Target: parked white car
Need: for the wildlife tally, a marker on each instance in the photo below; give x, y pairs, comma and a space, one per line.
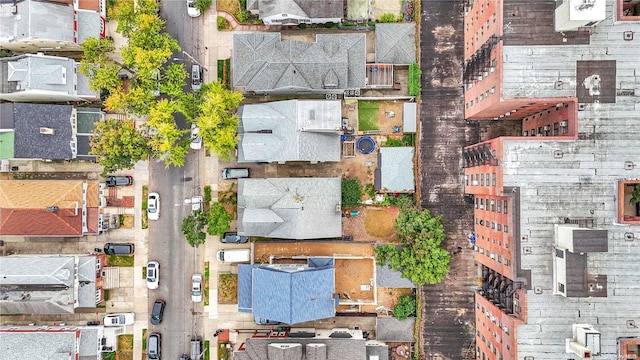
196, 288
192, 10
153, 206
153, 275
196, 141
119, 319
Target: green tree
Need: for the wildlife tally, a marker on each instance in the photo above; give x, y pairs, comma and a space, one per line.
193, 228
202, 5
168, 143
219, 219
217, 119
405, 307
420, 257
351, 193
118, 144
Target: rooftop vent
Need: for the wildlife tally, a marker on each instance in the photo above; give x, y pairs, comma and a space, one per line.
52, 209
47, 131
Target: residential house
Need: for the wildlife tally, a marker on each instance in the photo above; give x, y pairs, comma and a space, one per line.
46, 131
56, 208
330, 344
288, 293
292, 130
42, 284
555, 229
294, 12
262, 63
290, 208
43, 78
51, 342
36, 25
395, 172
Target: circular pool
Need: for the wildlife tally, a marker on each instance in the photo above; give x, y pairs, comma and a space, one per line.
366, 145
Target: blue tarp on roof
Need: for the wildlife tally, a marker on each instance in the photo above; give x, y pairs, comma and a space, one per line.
292, 297
244, 287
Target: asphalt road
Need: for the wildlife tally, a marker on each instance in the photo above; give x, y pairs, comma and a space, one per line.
167, 245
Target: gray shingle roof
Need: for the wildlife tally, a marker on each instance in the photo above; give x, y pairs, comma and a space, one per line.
290, 208
313, 9
396, 43
89, 25
264, 63
290, 294
36, 19
53, 343
395, 165
300, 130
30, 143
392, 329
49, 279
388, 278
336, 349
87, 281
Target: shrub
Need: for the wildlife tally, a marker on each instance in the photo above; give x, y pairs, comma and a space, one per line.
405, 307
222, 23
370, 190
387, 18
351, 193
243, 16
302, 26
207, 194
202, 5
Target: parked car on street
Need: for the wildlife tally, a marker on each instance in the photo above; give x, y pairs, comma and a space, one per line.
196, 288
232, 237
196, 141
119, 319
119, 248
192, 10
154, 346
235, 173
196, 77
118, 180
153, 274
153, 206
157, 311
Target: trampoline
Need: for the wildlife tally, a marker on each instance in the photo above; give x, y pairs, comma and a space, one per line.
366, 145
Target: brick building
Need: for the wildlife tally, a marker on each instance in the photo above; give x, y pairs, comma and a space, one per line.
554, 227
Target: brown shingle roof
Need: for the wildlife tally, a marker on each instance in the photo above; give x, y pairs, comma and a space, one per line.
23, 207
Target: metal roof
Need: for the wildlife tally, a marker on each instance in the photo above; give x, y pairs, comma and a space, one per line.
395, 175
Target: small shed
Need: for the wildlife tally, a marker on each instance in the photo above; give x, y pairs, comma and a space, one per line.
395, 170
409, 117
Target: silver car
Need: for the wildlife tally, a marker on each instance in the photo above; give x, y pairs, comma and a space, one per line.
196, 288
153, 275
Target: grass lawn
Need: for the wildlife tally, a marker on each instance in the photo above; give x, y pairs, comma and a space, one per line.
144, 340
145, 195
120, 260
230, 6
378, 223
222, 351
206, 354
228, 288
368, 115
125, 347
205, 284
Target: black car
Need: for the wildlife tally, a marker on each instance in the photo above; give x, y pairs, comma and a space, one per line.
232, 237
119, 249
157, 311
114, 180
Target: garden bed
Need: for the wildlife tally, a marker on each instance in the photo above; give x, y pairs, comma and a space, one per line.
228, 289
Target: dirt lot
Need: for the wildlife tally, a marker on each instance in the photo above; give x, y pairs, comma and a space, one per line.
356, 225
262, 249
351, 274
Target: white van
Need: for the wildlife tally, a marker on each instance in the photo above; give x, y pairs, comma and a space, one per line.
234, 255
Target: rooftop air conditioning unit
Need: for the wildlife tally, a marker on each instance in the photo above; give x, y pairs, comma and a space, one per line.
564, 123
